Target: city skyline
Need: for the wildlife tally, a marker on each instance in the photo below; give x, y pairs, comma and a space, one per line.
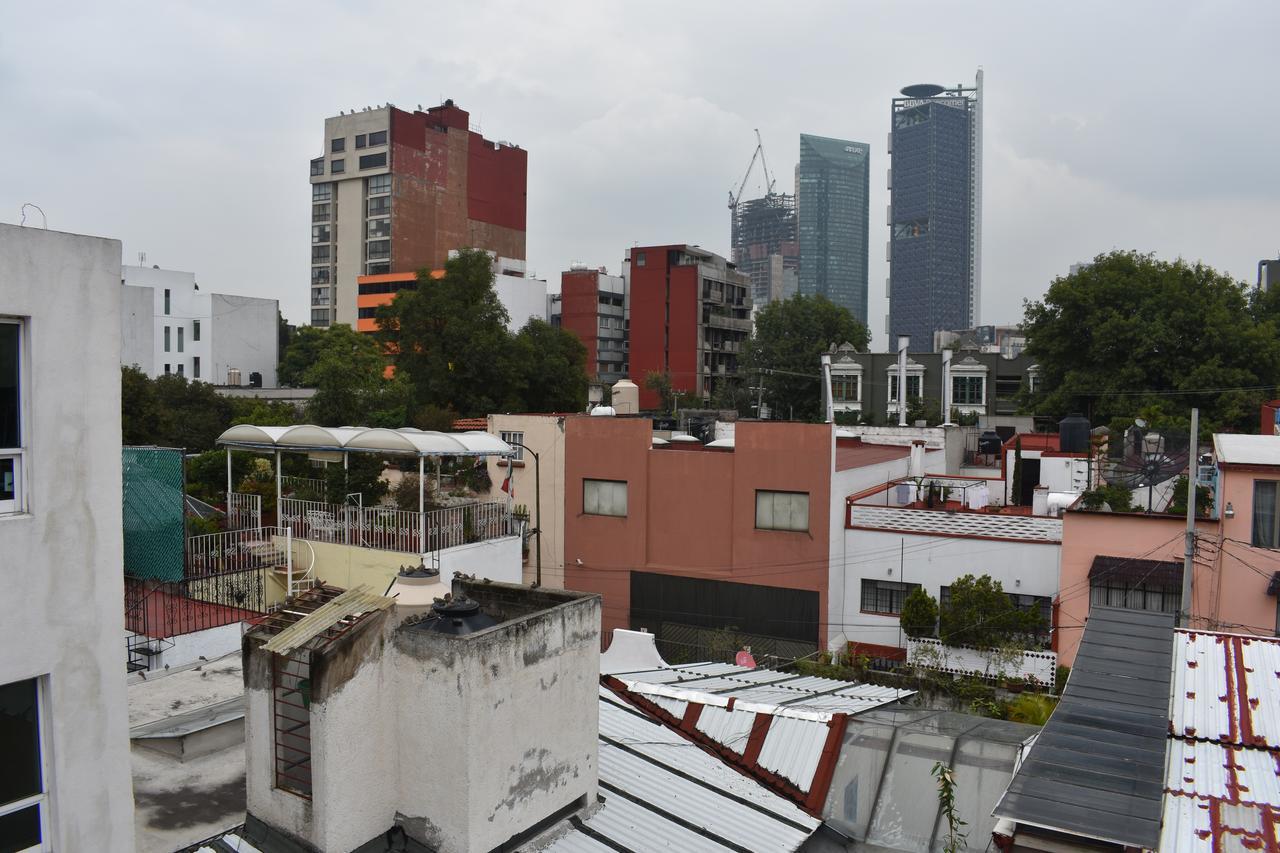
1078, 162
832, 178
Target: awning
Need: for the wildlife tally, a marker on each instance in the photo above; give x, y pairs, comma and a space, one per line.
390, 442
1131, 571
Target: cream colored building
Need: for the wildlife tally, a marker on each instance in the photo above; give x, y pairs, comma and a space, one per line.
544, 435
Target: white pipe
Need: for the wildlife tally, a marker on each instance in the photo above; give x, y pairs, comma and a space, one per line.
278, 487
946, 388
829, 407
422, 518
904, 341
228, 479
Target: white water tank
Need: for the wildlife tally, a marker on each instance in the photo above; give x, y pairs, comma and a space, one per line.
626, 397
233, 377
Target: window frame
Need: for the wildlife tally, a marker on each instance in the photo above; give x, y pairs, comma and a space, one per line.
17, 454
321, 192
195, 367
957, 380
377, 137
839, 380
1254, 539
362, 140
808, 514
41, 799
195, 330
168, 339
373, 161
338, 145
338, 166
513, 435
598, 482
902, 589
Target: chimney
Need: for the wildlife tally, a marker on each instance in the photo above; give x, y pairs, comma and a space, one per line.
946, 388
915, 465
904, 341
466, 726
1040, 500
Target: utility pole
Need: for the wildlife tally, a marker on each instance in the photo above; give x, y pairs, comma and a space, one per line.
1189, 551
537, 502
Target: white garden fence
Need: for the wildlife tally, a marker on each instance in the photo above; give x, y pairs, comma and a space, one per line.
992, 664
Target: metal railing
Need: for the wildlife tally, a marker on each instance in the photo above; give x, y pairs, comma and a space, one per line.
304, 488
244, 511
390, 529
238, 551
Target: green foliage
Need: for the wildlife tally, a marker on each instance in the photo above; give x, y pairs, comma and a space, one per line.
347, 370
363, 475
733, 394
660, 384
1031, 708
791, 335
924, 409
1204, 499
1129, 322
431, 417
448, 338
207, 473
919, 614
955, 840
1060, 676
980, 614
405, 494
1118, 498
552, 368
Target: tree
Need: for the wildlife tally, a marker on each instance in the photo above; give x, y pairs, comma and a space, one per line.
660, 384
553, 370
919, 614
303, 350
790, 337
1178, 505
1115, 337
1015, 487
980, 614
347, 371
449, 339
191, 415
139, 407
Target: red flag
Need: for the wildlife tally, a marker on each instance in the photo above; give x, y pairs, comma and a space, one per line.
508, 485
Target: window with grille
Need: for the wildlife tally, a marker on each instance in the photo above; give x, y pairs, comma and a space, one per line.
604, 497
321, 192
968, 390
509, 438
885, 596
782, 510
845, 388
1113, 592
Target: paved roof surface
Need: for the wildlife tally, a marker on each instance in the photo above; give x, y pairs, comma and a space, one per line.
1097, 768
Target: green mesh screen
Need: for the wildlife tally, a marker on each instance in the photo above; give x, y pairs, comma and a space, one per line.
153, 520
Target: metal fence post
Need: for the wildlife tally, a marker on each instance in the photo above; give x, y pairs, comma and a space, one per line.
288, 549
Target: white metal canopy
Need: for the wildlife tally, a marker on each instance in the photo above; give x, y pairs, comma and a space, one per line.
391, 442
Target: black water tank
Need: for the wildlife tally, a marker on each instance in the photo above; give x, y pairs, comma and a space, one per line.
255, 379
460, 615
989, 442
1073, 433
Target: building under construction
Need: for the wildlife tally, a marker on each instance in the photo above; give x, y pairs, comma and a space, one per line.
765, 245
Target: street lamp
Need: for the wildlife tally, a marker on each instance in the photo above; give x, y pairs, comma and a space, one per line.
537, 502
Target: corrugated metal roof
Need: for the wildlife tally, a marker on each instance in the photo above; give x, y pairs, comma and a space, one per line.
1097, 768
1226, 688
1247, 449
730, 729
793, 748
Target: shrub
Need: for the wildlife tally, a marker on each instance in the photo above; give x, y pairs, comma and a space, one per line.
980, 614
1031, 708
1118, 498
919, 614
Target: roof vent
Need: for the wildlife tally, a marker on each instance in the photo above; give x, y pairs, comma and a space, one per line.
603, 412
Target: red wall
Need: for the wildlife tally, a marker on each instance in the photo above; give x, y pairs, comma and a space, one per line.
580, 311
649, 347
692, 513
496, 179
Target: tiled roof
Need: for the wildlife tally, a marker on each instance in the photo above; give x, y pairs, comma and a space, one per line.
940, 523
462, 424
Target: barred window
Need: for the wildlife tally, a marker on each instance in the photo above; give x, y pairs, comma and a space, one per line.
885, 596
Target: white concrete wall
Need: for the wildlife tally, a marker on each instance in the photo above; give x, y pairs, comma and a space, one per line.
522, 297
190, 648
62, 613
187, 305
545, 435
1024, 568
137, 329
245, 334
495, 559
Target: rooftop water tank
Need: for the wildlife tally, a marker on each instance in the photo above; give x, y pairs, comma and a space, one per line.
1073, 434
626, 397
989, 442
459, 616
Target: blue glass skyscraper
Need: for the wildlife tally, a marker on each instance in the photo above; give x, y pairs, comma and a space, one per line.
832, 182
935, 211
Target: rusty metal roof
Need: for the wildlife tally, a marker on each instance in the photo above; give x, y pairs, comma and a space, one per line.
1226, 688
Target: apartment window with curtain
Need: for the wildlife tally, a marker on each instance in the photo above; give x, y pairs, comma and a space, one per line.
885, 597
12, 390
604, 497
1266, 521
24, 785
782, 511
844, 388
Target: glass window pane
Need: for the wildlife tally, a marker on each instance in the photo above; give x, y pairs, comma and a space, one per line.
20, 830
10, 421
764, 509
19, 742
1264, 513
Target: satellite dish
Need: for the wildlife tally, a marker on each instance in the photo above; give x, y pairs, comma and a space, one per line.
1146, 459
744, 658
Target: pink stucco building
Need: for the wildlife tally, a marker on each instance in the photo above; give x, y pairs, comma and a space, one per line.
1135, 559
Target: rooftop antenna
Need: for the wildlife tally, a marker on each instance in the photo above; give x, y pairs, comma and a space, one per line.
23, 212
142, 259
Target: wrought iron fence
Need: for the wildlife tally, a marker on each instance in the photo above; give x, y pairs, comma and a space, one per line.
390, 529
244, 511
304, 488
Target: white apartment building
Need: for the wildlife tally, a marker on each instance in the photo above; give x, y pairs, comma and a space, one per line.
64, 731
169, 325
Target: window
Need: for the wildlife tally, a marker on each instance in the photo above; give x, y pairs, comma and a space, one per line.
379, 269
11, 436
844, 388
968, 390
182, 369
1265, 518
320, 296
360, 140
378, 138
373, 161
379, 227
337, 167
195, 367
379, 184
320, 233
1115, 592
639, 259
319, 275
180, 331
166, 339
195, 330
320, 213
317, 166
604, 497
380, 206
367, 313
509, 437
166, 300
913, 387
24, 798
319, 254
885, 596
336, 145
319, 316
379, 249
321, 192
167, 370
782, 511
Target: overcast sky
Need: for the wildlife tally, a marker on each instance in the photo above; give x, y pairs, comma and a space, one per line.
185, 130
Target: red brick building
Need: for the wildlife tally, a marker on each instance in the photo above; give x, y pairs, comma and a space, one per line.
593, 305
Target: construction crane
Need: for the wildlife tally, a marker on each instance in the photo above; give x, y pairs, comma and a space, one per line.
734, 198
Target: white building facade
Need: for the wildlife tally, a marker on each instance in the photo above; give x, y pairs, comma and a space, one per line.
64, 745
169, 326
